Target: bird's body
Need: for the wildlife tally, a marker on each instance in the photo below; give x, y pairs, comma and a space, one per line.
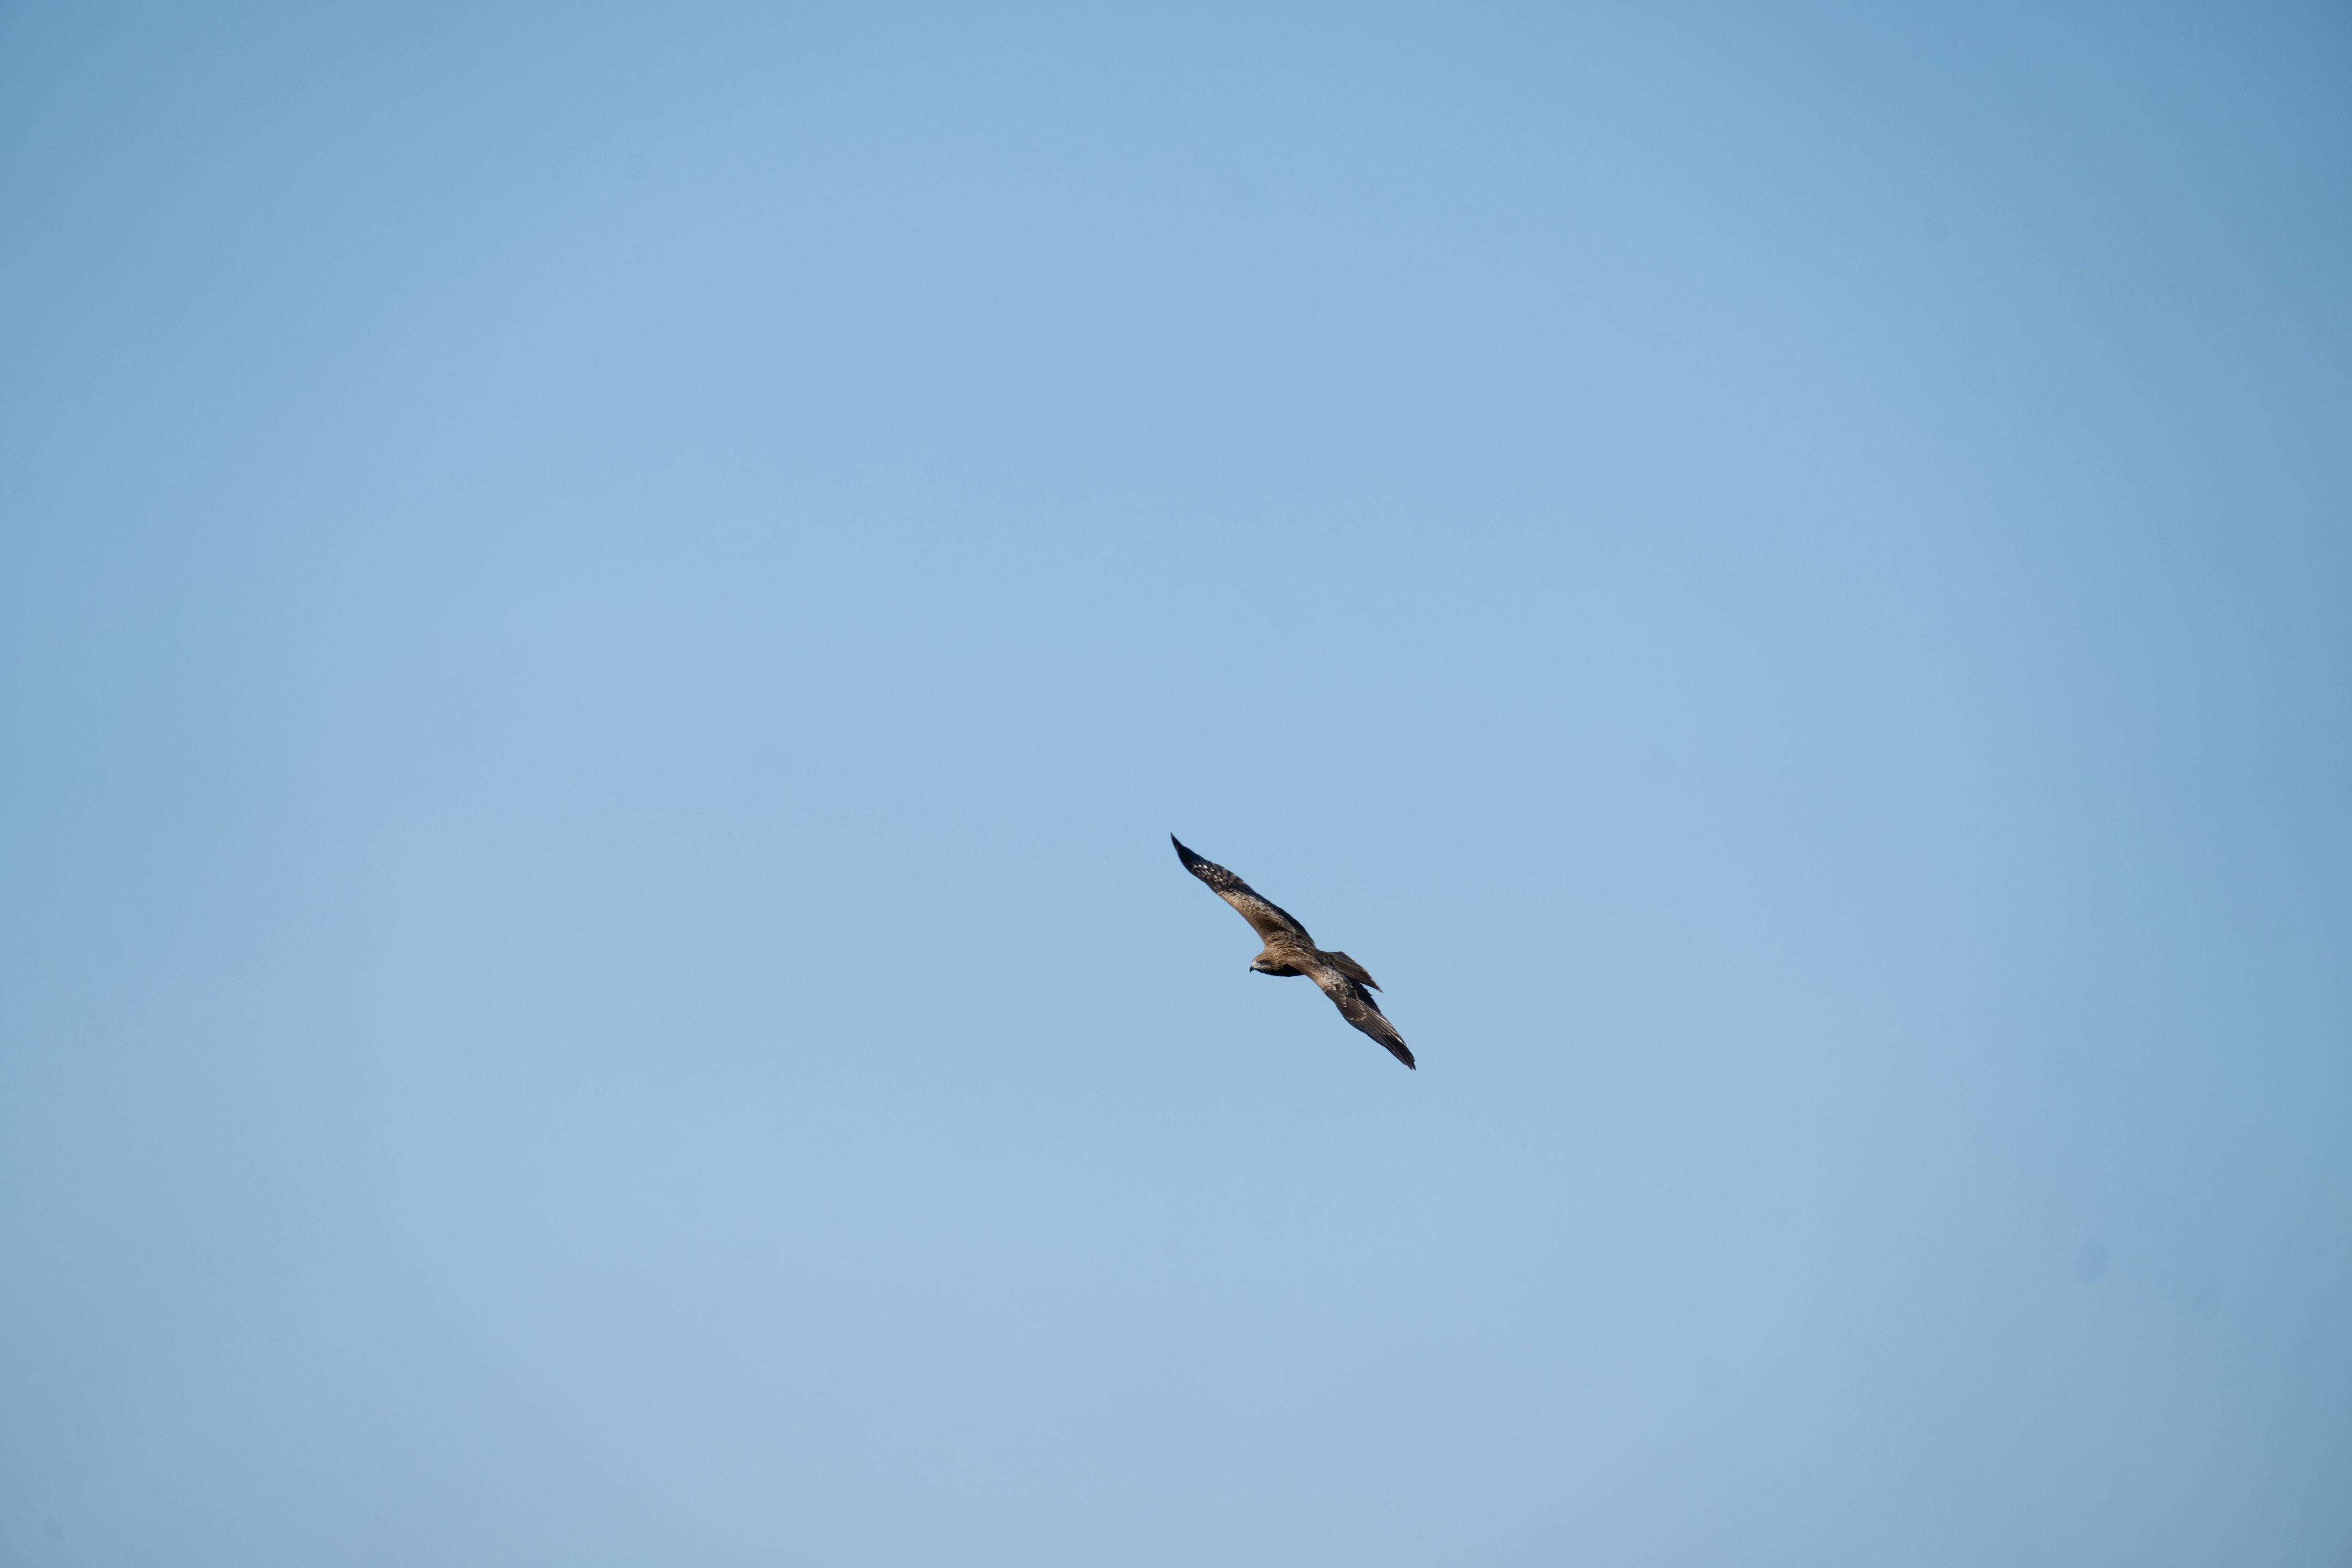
1290, 950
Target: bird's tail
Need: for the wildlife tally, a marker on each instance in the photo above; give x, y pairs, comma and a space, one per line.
1351, 969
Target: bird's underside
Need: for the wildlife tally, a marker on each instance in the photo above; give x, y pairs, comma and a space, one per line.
1290, 950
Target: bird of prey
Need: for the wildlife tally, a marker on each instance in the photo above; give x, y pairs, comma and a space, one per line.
1290, 950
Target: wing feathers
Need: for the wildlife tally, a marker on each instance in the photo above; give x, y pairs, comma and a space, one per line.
1266, 918
1356, 1004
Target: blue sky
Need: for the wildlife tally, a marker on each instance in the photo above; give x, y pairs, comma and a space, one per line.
604, 612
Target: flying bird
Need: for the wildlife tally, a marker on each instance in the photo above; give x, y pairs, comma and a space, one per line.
1290, 950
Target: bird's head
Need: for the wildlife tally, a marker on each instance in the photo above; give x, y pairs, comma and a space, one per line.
1266, 964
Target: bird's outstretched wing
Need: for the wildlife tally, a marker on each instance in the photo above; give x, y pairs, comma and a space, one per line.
1356, 1005
1268, 919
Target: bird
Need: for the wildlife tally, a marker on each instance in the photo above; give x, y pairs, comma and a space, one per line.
1290, 950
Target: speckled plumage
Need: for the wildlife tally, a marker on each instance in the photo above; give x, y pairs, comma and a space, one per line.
1290, 950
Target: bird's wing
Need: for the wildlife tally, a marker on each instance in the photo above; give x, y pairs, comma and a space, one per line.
1356, 1005
1268, 919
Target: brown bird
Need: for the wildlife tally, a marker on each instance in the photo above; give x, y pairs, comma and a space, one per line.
1290, 950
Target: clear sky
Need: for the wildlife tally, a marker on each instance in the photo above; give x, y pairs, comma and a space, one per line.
605, 611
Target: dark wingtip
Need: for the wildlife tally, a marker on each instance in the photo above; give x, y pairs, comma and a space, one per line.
1182, 853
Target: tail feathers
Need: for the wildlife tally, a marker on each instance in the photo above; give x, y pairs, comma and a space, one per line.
1351, 969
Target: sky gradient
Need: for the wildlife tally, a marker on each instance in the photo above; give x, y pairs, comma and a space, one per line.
605, 612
